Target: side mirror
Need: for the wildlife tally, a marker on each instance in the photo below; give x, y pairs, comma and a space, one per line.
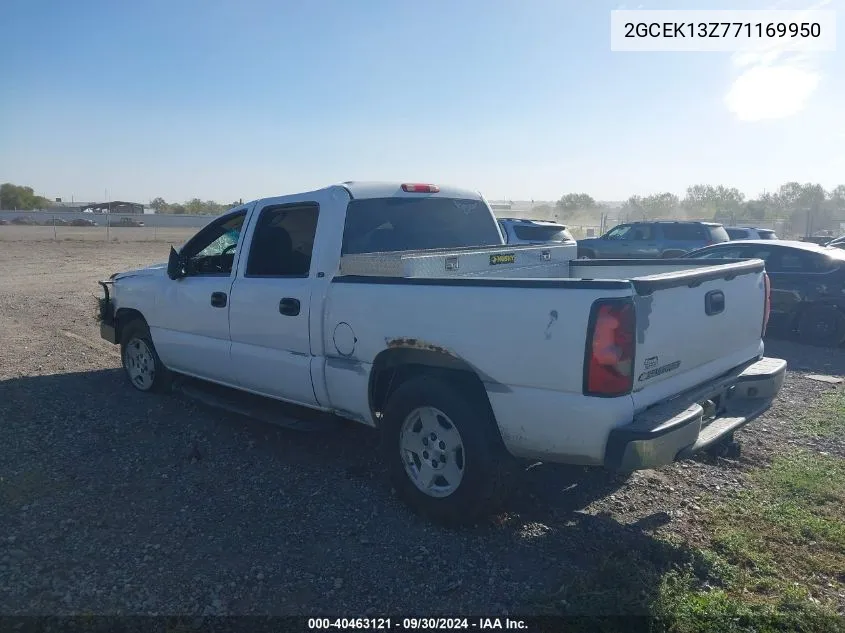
175, 265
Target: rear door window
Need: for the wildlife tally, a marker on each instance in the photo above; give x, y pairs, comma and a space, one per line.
283, 241
404, 223
641, 232
683, 232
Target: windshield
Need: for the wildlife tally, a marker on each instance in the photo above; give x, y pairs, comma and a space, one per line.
404, 223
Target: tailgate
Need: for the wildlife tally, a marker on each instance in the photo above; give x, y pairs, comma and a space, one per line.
695, 325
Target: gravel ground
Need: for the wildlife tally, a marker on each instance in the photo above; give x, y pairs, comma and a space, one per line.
113, 501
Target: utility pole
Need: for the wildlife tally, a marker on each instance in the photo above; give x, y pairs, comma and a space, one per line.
108, 216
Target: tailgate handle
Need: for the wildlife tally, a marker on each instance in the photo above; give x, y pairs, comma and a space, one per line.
714, 302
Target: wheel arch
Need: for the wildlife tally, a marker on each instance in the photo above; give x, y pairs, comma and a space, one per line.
408, 358
123, 317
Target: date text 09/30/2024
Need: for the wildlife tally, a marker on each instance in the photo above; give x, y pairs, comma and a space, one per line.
416, 624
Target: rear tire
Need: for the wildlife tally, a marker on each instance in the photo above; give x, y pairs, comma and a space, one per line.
444, 455
822, 326
143, 367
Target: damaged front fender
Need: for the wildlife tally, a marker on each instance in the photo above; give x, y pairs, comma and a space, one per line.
105, 314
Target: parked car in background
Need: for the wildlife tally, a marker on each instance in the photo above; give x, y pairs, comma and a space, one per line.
127, 222
55, 222
520, 231
750, 233
821, 238
652, 240
3, 222
839, 242
25, 221
82, 222
807, 285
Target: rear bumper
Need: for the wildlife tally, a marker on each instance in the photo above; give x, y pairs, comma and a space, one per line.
679, 428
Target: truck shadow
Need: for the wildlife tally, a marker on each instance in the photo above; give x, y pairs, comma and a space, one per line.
186, 476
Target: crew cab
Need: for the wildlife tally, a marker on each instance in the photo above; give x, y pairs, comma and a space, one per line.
399, 306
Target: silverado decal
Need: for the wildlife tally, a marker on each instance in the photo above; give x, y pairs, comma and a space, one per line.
648, 375
503, 258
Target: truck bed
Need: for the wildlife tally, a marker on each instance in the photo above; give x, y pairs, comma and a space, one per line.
695, 319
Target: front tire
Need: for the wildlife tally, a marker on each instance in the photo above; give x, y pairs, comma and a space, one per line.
444, 454
143, 367
822, 326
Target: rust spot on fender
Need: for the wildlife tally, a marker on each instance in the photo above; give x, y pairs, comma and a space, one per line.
414, 343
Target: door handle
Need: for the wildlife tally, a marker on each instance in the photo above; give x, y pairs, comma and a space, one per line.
218, 299
289, 306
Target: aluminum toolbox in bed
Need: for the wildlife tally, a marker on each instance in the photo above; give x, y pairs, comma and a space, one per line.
545, 260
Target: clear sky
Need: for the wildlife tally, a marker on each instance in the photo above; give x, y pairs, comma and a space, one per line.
521, 99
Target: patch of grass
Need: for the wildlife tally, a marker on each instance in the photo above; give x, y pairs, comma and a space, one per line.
683, 608
826, 418
775, 561
783, 544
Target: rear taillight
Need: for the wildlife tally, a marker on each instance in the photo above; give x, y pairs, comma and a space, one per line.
420, 188
609, 358
768, 305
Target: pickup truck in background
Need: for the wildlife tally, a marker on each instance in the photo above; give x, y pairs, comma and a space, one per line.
652, 240
400, 307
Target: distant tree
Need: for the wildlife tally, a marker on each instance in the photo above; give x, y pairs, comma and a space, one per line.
707, 200
178, 209
575, 202
194, 206
18, 197
837, 197
159, 205
658, 205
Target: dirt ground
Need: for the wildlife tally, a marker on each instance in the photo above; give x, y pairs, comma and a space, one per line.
113, 501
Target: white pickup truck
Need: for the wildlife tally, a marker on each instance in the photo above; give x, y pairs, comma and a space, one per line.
399, 306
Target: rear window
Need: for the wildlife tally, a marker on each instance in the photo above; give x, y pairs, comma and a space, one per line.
737, 234
717, 233
540, 233
404, 223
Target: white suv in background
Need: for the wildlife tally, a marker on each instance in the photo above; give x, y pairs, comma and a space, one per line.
518, 231
750, 233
